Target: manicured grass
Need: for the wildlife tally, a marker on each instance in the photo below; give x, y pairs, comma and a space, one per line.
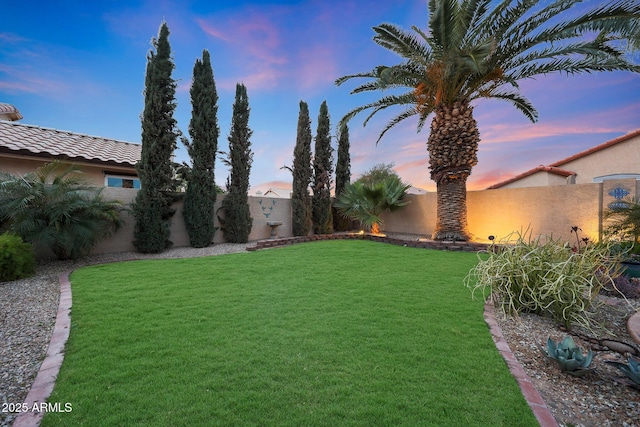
327, 333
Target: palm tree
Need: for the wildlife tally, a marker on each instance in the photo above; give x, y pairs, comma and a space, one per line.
55, 208
624, 221
476, 49
365, 202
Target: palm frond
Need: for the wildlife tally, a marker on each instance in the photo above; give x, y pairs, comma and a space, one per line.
520, 102
389, 101
443, 15
397, 119
405, 44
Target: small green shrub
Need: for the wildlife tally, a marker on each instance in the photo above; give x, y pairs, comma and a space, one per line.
568, 356
17, 259
547, 277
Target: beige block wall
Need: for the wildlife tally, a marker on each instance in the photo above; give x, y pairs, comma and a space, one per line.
546, 211
543, 211
263, 209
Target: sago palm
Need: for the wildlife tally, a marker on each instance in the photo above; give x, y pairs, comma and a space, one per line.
54, 208
474, 49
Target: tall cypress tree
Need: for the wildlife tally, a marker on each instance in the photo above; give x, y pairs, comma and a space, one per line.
322, 170
302, 174
237, 216
343, 175
200, 197
152, 206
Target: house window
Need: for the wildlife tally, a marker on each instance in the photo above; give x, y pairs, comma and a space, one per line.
122, 181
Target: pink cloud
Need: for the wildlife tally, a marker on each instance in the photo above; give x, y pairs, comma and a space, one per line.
210, 30
318, 67
256, 44
11, 38
23, 80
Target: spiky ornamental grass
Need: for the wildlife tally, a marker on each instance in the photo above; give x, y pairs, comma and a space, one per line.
200, 198
275, 340
544, 276
483, 49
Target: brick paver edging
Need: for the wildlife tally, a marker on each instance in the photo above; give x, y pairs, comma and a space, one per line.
45, 380
531, 395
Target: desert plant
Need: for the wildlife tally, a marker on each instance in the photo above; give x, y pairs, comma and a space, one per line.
529, 275
17, 260
568, 356
366, 203
55, 208
631, 370
622, 286
624, 221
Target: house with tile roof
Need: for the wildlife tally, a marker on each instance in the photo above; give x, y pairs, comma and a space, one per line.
618, 158
9, 112
105, 162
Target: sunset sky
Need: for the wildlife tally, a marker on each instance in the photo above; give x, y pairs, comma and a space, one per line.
80, 66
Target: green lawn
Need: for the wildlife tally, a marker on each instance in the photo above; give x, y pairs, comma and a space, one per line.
333, 333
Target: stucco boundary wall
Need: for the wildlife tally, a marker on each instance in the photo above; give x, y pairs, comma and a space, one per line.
263, 210
542, 211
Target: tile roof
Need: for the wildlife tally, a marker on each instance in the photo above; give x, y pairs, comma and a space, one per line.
553, 167
602, 146
541, 168
9, 111
25, 139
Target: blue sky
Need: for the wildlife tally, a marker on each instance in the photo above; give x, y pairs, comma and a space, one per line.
79, 66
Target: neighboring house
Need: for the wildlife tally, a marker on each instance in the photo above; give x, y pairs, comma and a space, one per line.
280, 193
9, 112
618, 158
105, 162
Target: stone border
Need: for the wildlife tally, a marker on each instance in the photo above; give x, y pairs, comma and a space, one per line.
425, 244
45, 380
534, 400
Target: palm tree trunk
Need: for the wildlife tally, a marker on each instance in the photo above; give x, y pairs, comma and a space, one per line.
453, 152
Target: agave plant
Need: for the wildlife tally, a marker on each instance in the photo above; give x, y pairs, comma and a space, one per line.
632, 371
568, 356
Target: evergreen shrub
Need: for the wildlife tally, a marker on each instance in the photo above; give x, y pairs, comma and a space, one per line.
17, 259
